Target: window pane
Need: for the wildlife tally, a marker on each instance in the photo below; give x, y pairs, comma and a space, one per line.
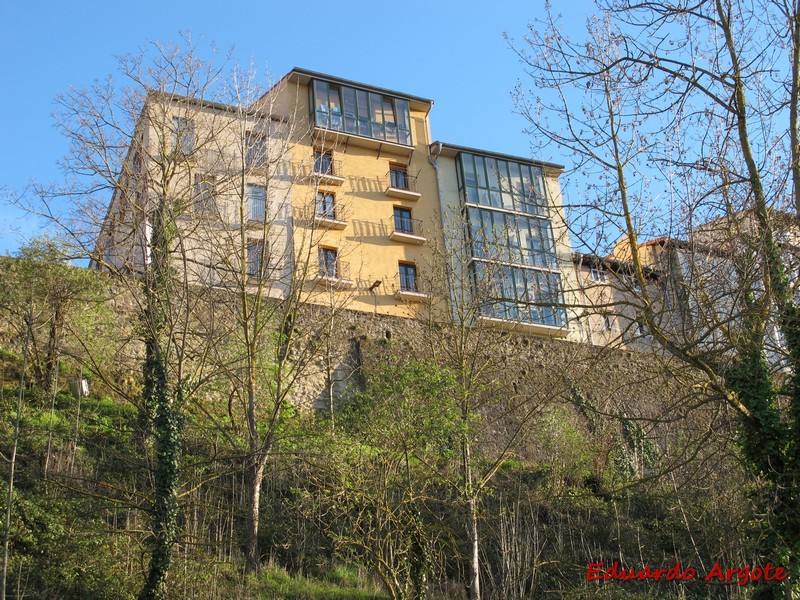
256, 259
468, 164
256, 149
408, 277
376, 115
398, 177
323, 162
327, 262
480, 172
321, 103
350, 112
403, 121
256, 202
362, 103
335, 107
325, 205
402, 220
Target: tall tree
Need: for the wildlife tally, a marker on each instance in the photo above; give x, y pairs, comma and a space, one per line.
682, 121
139, 144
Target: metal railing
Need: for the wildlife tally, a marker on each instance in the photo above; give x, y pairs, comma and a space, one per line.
333, 269
407, 225
325, 166
401, 180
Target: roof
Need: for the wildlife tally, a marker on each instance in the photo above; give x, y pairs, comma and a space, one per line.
453, 149
306, 75
612, 264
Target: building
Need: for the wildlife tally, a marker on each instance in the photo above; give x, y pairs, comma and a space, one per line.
336, 188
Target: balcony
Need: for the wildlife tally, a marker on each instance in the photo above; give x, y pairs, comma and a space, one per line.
401, 185
334, 274
329, 219
326, 171
407, 231
408, 290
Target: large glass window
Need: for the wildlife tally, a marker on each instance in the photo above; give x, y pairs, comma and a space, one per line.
511, 240
363, 113
519, 294
506, 237
501, 184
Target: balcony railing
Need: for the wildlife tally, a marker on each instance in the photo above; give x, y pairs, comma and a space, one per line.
408, 230
330, 216
401, 185
321, 171
409, 289
335, 273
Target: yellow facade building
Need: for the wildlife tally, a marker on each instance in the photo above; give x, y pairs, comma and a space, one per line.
335, 189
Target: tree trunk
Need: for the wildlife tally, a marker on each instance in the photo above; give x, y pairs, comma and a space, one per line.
52, 352
13, 458
255, 477
167, 428
474, 561
474, 584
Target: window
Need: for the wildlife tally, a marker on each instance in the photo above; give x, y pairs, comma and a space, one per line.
501, 184
402, 220
255, 149
204, 192
408, 277
517, 239
256, 203
328, 259
598, 275
606, 322
641, 330
519, 294
325, 208
398, 177
323, 163
360, 112
182, 135
256, 258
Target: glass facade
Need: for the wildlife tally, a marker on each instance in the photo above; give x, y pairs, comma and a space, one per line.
502, 184
360, 112
514, 264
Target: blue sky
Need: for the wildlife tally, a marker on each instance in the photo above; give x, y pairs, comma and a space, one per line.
450, 51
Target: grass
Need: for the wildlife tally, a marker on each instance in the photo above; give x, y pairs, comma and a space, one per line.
340, 583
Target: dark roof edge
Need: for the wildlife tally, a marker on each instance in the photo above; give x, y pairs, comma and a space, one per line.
350, 82
612, 264
530, 161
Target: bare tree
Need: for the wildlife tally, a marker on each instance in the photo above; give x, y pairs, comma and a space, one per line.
683, 120
139, 144
270, 306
